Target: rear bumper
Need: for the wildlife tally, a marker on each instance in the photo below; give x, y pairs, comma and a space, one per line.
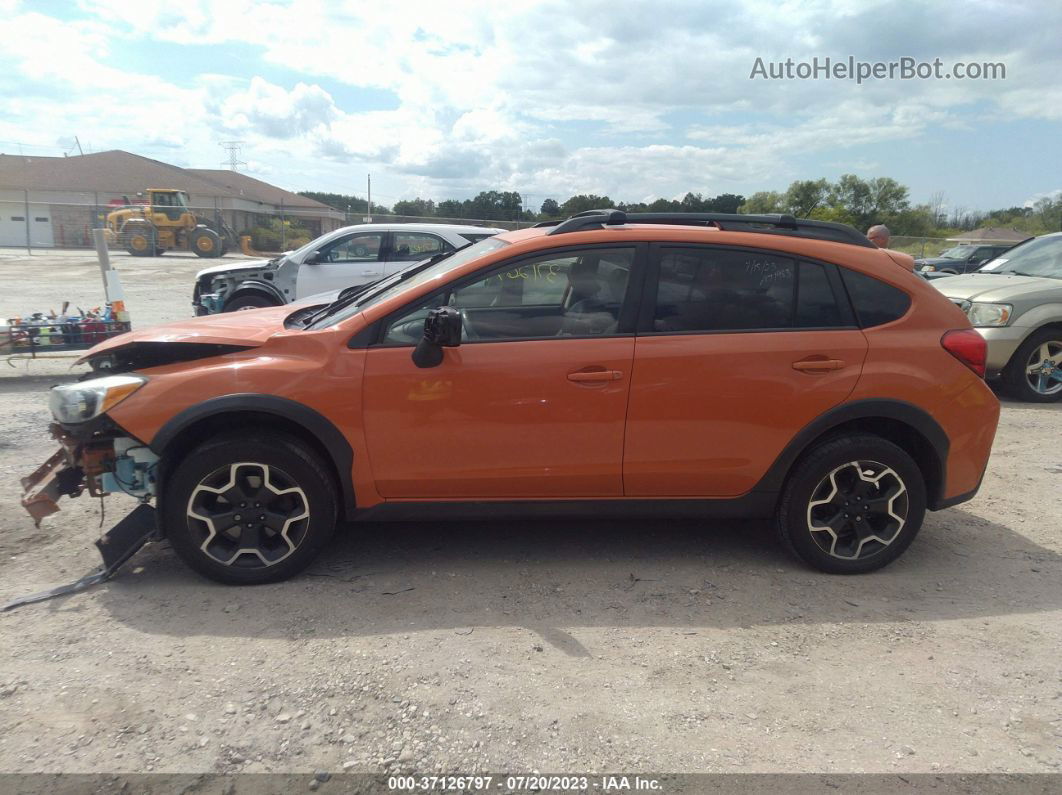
971, 424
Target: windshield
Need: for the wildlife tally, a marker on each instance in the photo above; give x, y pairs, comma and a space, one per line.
396, 284
958, 252
1041, 256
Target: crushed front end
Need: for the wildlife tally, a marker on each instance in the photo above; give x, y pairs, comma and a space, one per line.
97, 456
104, 462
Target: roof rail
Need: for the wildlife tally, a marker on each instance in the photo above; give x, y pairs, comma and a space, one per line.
762, 224
588, 218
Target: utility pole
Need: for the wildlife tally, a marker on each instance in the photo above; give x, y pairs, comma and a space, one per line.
233, 148
368, 218
29, 236
79, 149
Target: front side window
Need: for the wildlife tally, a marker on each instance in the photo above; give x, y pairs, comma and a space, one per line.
415, 246
561, 295
364, 247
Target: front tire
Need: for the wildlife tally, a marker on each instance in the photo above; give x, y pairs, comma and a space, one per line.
250, 301
852, 505
1034, 373
206, 243
249, 508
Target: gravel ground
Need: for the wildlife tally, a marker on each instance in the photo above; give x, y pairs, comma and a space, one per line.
561, 646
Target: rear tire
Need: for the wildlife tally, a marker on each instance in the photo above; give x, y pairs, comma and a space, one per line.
1034, 372
274, 480
250, 301
851, 505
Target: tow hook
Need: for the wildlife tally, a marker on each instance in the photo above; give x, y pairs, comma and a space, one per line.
116, 547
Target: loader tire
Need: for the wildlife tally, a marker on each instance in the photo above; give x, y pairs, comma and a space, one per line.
206, 243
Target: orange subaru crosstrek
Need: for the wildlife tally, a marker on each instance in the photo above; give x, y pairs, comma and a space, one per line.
656, 364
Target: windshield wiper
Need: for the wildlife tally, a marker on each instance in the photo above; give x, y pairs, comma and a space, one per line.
345, 298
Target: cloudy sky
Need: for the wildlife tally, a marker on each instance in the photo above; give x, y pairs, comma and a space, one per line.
636, 100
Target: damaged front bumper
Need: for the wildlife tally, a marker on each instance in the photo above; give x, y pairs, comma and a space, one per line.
102, 463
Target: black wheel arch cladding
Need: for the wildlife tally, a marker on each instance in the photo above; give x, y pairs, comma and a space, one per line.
313, 424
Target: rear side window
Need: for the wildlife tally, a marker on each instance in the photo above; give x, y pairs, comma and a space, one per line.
720, 290
816, 305
728, 290
874, 301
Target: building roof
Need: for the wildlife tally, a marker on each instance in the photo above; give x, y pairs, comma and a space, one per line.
116, 171
991, 234
237, 184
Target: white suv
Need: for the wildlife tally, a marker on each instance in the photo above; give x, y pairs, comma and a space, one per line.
342, 258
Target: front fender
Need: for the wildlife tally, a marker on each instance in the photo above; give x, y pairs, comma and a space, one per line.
1039, 315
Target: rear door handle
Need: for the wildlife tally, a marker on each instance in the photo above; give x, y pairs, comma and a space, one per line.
818, 365
594, 376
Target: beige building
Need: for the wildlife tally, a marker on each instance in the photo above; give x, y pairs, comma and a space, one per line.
59, 200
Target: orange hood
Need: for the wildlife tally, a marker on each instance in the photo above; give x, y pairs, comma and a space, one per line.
248, 329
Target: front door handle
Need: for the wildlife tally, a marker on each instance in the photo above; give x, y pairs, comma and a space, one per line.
818, 365
594, 376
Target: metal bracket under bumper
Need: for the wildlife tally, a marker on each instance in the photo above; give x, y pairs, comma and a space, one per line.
119, 544
42, 488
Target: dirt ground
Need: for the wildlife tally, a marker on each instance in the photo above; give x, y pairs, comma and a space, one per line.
634, 645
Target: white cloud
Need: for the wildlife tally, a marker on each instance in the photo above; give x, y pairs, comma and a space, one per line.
541, 97
274, 111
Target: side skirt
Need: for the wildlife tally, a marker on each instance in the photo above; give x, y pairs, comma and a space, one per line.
754, 505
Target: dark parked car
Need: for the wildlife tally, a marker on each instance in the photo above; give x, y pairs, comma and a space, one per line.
961, 259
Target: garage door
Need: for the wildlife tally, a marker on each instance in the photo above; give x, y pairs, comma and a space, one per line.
13, 225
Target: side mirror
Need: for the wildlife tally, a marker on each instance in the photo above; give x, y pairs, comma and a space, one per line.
442, 329
315, 257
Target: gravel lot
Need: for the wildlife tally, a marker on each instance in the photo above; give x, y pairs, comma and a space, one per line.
560, 646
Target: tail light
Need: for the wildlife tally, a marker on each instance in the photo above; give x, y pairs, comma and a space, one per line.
968, 347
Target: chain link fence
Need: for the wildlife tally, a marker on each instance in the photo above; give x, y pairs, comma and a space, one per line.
919, 247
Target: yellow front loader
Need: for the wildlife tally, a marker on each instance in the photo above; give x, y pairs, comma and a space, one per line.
163, 221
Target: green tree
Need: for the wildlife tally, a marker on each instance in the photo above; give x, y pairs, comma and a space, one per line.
724, 203
343, 202
421, 208
584, 202
451, 208
874, 201
550, 208
764, 201
805, 196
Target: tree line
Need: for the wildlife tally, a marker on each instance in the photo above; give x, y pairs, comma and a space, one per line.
850, 199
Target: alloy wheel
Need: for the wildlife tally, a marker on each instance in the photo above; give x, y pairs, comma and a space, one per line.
857, 510
1043, 371
248, 514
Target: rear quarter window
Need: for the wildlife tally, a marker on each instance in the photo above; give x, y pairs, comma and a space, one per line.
874, 301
